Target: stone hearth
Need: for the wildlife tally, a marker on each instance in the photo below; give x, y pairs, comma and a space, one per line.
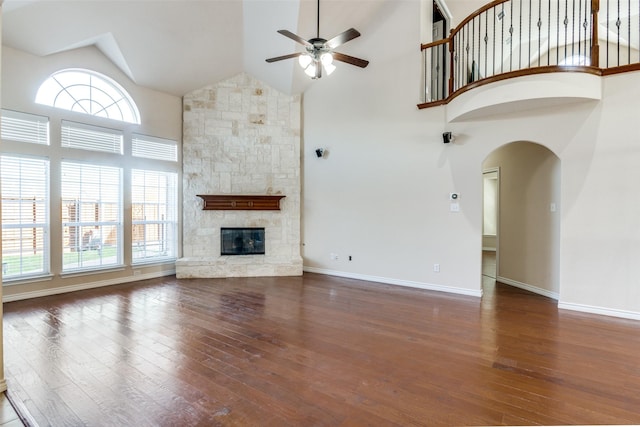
240, 137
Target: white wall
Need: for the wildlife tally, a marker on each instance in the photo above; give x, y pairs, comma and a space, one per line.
381, 195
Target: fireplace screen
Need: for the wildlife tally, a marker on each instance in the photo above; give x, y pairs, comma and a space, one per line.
242, 241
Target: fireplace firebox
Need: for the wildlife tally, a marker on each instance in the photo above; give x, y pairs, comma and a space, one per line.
242, 241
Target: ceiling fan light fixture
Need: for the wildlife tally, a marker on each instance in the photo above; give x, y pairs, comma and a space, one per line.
326, 59
311, 70
329, 68
304, 60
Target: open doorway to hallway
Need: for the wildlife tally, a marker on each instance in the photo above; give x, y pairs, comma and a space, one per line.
490, 203
527, 232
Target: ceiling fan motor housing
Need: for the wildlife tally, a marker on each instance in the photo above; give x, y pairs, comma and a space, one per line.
317, 48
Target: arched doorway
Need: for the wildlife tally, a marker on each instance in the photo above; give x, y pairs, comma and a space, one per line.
528, 216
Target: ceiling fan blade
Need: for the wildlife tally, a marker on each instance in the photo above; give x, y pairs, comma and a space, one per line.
280, 58
295, 37
342, 38
337, 56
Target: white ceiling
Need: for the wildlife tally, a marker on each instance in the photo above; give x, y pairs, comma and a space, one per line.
176, 46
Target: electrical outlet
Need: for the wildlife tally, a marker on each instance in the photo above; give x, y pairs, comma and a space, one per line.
333, 256
436, 268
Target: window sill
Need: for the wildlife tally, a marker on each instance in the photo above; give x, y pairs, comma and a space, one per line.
93, 271
148, 263
23, 280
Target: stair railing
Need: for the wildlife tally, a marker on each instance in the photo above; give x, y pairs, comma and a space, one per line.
512, 38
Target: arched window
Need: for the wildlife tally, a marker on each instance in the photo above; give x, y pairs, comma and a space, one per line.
90, 93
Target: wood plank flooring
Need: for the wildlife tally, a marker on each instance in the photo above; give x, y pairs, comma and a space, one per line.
316, 351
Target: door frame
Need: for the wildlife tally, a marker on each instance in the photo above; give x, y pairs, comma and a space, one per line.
491, 170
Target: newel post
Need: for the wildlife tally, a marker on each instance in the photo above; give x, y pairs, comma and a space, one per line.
595, 47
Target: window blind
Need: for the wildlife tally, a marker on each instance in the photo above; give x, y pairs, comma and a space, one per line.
151, 147
93, 138
23, 127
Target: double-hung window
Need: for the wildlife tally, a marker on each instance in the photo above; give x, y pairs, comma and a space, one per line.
154, 201
25, 197
25, 216
154, 215
91, 216
91, 200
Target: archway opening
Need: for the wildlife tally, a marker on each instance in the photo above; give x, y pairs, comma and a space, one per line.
527, 233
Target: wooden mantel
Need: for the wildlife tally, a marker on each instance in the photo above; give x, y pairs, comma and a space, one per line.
232, 202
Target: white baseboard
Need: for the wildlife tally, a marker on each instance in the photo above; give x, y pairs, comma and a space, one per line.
625, 314
527, 287
83, 286
398, 282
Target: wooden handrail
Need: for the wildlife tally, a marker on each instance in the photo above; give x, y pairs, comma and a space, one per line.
475, 14
434, 44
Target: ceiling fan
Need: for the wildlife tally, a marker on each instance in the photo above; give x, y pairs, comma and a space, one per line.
320, 52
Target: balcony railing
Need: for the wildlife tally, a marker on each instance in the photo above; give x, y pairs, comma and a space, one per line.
511, 38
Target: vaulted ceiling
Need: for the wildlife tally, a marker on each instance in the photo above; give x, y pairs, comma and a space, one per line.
176, 46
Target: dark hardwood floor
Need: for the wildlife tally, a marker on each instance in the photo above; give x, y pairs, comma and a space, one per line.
316, 351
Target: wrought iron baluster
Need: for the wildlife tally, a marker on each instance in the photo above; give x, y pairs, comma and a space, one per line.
607, 46
502, 38
539, 29
573, 29
460, 57
529, 41
511, 34
629, 32
473, 49
579, 25
486, 40
618, 25
558, 35
549, 34
425, 97
585, 25
493, 50
520, 39
566, 25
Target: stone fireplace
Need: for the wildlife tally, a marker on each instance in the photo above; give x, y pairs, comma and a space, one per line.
241, 140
